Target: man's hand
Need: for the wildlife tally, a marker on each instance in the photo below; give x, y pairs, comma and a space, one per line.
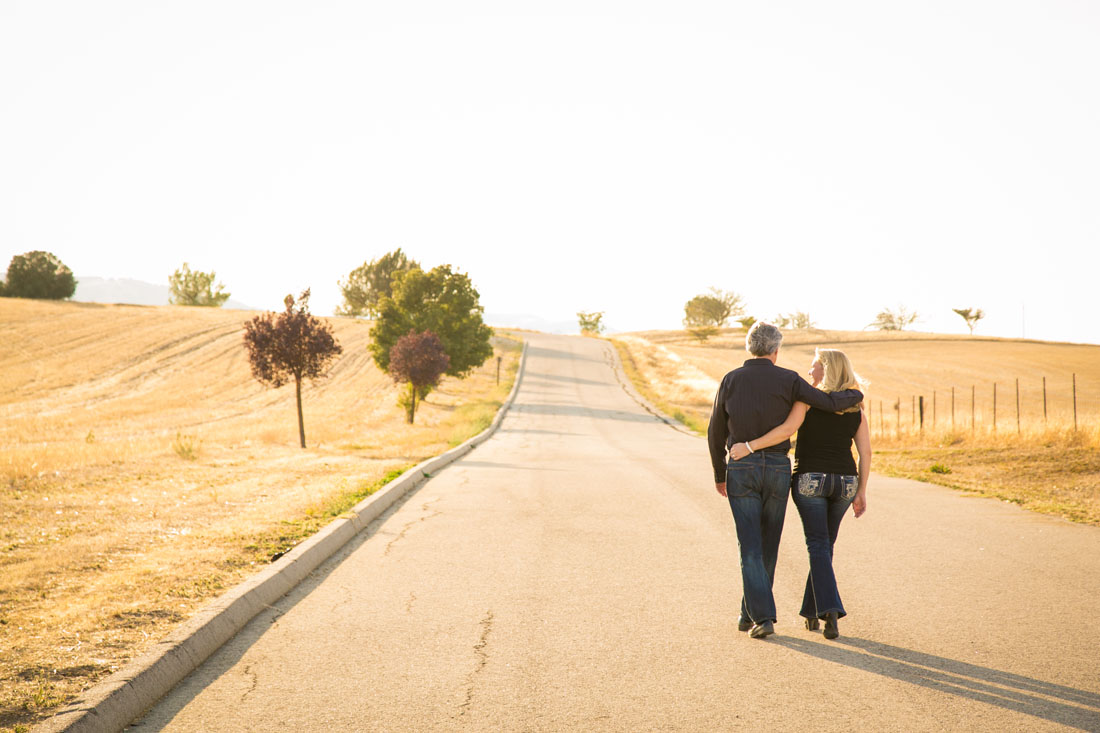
721, 488
739, 451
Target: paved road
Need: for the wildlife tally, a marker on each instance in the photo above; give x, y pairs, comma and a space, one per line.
578, 572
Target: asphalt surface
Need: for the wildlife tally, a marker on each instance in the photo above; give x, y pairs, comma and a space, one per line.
579, 572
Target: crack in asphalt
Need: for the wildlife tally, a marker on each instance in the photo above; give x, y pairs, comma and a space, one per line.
255, 681
482, 660
410, 525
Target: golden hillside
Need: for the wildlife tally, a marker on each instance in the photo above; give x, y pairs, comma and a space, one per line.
88, 383
899, 366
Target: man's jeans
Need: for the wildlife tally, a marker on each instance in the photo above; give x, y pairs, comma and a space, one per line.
757, 487
821, 517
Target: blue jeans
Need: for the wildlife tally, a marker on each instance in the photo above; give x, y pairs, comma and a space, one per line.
821, 516
757, 487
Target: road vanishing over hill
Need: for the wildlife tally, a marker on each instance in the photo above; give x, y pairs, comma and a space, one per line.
579, 572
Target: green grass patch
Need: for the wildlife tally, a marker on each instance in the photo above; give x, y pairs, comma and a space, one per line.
473, 419
271, 545
1060, 480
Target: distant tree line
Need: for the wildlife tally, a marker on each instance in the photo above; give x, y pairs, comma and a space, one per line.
707, 313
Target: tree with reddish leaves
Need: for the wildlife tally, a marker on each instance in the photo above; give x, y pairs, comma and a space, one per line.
290, 345
419, 360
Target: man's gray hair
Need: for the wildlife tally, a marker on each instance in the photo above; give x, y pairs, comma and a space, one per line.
763, 339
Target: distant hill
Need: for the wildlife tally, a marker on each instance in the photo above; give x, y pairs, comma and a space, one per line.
132, 292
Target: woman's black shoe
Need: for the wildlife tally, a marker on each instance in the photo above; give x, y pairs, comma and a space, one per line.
831, 631
812, 624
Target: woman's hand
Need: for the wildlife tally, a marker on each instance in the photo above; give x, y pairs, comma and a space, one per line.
859, 504
739, 451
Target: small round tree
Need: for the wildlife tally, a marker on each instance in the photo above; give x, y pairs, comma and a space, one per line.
291, 345
191, 287
590, 322
419, 360
39, 275
441, 301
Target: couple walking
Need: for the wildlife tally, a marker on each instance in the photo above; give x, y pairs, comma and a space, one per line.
757, 409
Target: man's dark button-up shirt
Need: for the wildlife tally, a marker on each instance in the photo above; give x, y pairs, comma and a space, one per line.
755, 398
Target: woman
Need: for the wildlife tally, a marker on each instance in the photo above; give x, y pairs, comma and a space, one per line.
824, 480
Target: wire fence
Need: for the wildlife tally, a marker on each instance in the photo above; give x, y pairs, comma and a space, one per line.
996, 407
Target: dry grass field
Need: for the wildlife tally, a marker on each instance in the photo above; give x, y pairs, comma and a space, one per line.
1044, 464
144, 470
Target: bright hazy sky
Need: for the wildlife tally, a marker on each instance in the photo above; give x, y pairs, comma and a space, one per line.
834, 158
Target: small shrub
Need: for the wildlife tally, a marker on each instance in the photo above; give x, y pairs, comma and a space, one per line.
702, 333
186, 446
951, 438
939, 468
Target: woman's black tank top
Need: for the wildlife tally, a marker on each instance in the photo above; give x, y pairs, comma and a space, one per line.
824, 442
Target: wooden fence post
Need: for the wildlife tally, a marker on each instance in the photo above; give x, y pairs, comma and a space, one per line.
1075, 402
922, 414
1044, 400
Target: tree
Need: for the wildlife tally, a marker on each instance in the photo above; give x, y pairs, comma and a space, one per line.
290, 345
196, 288
591, 323
419, 360
746, 322
889, 320
705, 314
971, 316
39, 275
440, 301
372, 281
798, 319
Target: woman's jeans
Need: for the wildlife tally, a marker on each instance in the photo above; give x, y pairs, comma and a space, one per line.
821, 517
757, 487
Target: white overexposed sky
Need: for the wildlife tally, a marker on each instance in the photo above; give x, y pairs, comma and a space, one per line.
834, 158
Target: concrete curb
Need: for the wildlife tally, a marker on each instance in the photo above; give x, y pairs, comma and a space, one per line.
114, 703
630, 389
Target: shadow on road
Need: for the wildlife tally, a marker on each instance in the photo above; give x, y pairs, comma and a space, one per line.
534, 431
567, 380
542, 352
582, 411
509, 466
1070, 706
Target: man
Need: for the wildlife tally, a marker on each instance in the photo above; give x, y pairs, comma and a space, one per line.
752, 400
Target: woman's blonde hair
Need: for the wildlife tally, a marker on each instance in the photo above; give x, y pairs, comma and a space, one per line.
839, 374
